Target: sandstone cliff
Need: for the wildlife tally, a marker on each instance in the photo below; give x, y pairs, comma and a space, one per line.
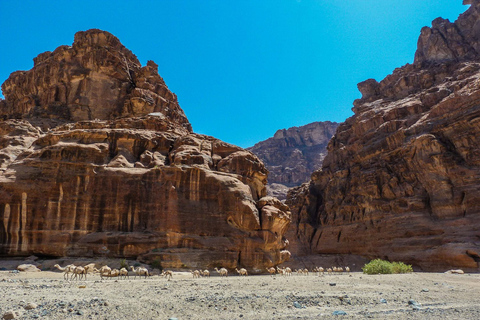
291, 155
98, 159
401, 178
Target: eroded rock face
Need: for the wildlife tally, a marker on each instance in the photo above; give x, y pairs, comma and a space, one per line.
107, 183
95, 78
401, 177
291, 155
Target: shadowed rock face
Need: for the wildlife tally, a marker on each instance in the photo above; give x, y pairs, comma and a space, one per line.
401, 177
119, 173
291, 155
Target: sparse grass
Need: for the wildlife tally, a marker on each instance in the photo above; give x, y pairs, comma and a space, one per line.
379, 266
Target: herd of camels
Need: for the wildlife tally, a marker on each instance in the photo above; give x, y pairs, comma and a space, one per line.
72, 272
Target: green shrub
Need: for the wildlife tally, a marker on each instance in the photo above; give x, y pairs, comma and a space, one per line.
400, 267
379, 266
124, 264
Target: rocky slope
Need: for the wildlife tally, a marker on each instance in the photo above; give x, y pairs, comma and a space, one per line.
98, 159
401, 178
291, 155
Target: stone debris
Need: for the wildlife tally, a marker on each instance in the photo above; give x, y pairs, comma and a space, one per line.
12, 315
30, 306
455, 271
339, 313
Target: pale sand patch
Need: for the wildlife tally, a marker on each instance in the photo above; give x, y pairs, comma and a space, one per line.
441, 296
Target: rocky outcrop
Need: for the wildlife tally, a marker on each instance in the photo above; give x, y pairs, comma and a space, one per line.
291, 155
401, 177
95, 78
97, 159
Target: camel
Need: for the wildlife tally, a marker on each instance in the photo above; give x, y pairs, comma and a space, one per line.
272, 271
104, 270
242, 272
196, 274
79, 271
66, 270
280, 271
299, 271
140, 271
320, 270
305, 271
167, 274
285, 271
123, 272
223, 272
205, 273
288, 271
347, 269
90, 267
111, 274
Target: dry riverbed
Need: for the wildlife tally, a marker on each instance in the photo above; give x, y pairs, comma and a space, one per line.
407, 296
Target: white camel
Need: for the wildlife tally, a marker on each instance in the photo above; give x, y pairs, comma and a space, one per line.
111, 274
90, 268
272, 271
123, 272
79, 271
242, 272
205, 273
223, 272
140, 271
196, 274
66, 270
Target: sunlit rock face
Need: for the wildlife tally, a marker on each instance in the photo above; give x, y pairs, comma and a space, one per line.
95, 78
98, 159
401, 180
292, 154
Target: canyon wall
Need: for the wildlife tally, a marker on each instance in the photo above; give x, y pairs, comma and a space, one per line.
401, 178
292, 154
97, 159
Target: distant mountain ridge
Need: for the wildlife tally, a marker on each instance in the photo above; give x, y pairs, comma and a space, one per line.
292, 154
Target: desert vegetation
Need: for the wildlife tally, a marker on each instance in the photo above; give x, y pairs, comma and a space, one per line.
379, 266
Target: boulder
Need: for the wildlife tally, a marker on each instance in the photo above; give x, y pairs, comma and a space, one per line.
28, 268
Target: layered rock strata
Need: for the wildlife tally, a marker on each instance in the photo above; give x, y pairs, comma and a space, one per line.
291, 155
401, 178
98, 159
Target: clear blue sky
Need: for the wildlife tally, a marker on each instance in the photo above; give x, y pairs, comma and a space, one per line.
241, 69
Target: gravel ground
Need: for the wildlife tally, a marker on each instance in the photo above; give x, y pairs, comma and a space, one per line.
407, 296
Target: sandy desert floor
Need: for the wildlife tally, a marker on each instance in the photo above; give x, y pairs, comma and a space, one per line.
437, 296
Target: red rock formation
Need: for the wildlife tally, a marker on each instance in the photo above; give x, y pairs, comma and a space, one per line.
95, 78
401, 177
291, 155
119, 172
